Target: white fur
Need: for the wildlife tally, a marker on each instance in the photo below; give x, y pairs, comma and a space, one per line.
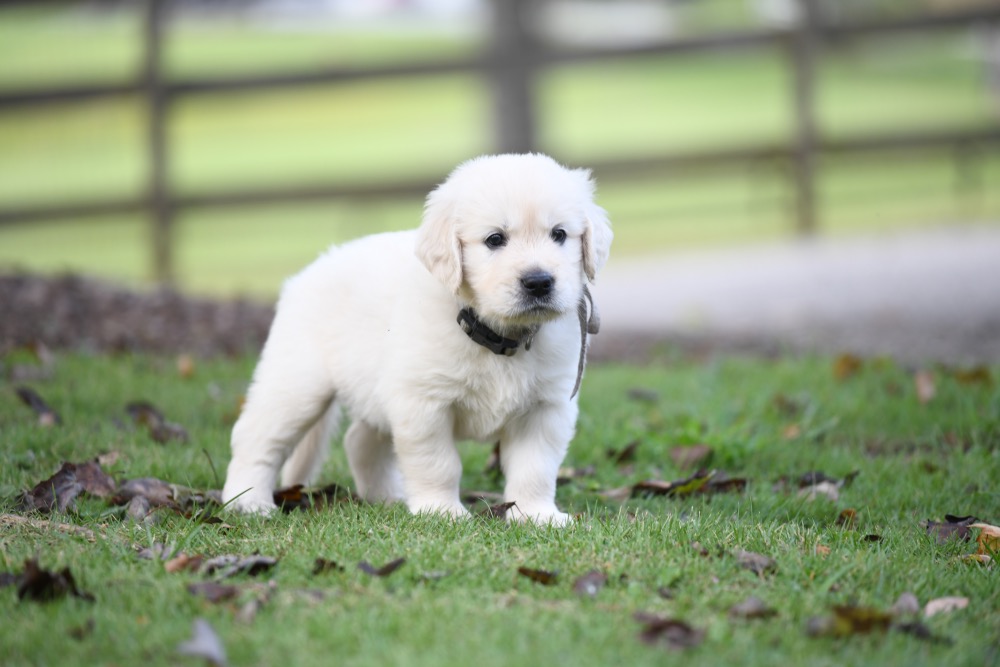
371, 327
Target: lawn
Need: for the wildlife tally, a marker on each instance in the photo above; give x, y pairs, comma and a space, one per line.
422, 128
459, 599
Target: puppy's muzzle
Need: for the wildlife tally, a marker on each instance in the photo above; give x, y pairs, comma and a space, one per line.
538, 284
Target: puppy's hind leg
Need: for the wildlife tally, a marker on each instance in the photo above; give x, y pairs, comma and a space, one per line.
306, 461
373, 464
283, 404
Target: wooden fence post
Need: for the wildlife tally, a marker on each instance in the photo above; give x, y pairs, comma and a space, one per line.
802, 51
511, 70
157, 102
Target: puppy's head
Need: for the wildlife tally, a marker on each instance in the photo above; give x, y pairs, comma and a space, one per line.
517, 236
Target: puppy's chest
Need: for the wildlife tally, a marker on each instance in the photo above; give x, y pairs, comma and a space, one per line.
491, 398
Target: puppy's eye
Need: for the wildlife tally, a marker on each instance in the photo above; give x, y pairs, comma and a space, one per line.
496, 240
559, 235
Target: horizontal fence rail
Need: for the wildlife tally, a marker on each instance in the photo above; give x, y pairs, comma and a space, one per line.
513, 58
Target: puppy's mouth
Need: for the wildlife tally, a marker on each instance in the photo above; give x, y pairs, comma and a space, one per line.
534, 310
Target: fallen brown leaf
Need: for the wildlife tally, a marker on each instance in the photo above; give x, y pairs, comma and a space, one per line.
230, 565
847, 518
752, 607
322, 565
213, 591
57, 492
204, 644
297, 497
624, 455
183, 562
945, 605
146, 414
46, 415
680, 487
988, 538
156, 491
849, 620
496, 511
543, 577
383, 571
757, 563
669, 632
40, 585
953, 527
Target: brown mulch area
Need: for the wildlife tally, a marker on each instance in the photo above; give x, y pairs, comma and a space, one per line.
81, 313
73, 312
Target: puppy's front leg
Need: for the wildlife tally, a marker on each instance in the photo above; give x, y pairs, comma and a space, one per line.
429, 462
532, 448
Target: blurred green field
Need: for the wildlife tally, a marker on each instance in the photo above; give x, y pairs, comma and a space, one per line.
362, 132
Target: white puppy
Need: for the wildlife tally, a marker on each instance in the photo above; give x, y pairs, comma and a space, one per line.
470, 327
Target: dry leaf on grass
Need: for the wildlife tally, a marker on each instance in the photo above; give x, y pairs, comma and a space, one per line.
680, 487
59, 491
850, 620
543, 577
204, 644
752, 607
496, 511
945, 605
988, 538
39, 585
46, 415
213, 591
383, 571
322, 565
230, 565
671, 633
297, 497
759, 564
624, 455
146, 414
953, 527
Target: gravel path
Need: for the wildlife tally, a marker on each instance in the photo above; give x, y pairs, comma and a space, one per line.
919, 297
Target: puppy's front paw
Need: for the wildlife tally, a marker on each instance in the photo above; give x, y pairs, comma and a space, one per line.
455, 510
251, 502
543, 516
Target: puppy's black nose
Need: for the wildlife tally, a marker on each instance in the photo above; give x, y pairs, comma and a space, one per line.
538, 283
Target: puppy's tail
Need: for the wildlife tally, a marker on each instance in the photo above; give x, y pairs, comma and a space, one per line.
307, 458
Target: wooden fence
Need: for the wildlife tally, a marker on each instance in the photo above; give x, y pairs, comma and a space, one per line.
513, 58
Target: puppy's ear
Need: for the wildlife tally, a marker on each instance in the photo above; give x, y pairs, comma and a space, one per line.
597, 235
438, 245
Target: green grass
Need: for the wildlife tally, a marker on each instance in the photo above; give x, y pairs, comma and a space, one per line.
915, 461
